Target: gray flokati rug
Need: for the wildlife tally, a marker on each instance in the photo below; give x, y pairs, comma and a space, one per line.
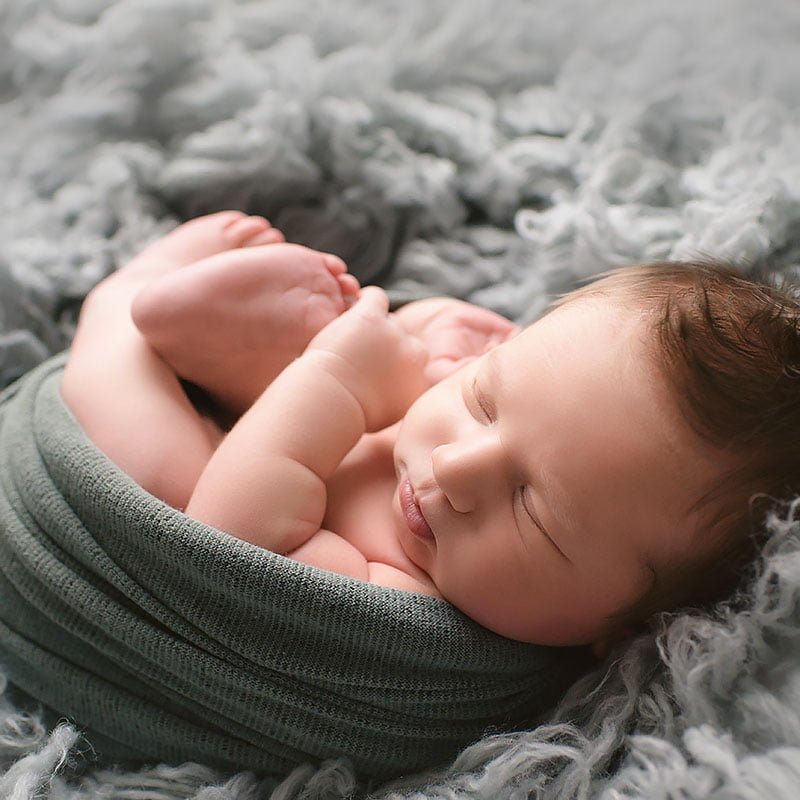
496, 151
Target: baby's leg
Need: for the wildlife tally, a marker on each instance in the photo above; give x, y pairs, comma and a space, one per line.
125, 396
232, 322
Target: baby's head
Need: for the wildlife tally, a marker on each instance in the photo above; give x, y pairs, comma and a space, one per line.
634, 423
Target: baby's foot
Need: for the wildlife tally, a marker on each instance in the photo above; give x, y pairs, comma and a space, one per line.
196, 239
231, 322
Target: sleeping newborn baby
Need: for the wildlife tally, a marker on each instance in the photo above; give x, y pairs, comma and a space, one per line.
558, 484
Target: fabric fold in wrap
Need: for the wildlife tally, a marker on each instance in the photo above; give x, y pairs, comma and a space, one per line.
172, 641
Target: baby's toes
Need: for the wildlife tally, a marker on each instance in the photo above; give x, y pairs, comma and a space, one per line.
208, 234
334, 264
193, 240
269, 236
349, 286
250, 231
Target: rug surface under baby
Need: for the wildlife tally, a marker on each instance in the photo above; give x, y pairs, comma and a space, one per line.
493, 151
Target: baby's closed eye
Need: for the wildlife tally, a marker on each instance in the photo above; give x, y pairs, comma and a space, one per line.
484, 408
484, 401
532, 519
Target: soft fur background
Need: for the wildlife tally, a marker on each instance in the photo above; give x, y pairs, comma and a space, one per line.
496, 151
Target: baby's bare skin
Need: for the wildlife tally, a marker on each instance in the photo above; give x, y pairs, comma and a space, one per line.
499, 488
224, 303
116, 383
129, 401
230, 323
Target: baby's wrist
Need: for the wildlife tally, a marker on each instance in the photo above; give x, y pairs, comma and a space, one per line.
343, 374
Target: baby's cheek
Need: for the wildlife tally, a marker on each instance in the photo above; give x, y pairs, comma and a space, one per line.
433, 419
427, 421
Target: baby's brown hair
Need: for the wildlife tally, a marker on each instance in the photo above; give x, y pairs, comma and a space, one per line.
728, 347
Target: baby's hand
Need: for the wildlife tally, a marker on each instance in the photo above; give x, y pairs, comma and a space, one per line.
374, 357
454, 332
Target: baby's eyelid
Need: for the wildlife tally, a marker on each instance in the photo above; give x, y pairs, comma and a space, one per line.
524, 500
527, 514
480, 399
523, 494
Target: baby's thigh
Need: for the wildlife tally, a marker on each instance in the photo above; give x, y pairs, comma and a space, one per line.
131, 405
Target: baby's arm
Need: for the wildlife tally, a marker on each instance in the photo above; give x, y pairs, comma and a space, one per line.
266, 482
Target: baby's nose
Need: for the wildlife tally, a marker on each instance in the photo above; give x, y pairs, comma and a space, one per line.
464, 470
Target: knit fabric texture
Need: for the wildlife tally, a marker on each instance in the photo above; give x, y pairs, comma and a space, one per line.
172, 640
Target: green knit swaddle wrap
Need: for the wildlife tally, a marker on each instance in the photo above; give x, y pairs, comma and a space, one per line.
172, 641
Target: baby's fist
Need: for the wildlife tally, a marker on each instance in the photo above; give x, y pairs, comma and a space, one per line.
375, 358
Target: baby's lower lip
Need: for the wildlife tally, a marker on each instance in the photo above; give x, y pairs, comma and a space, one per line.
416, 522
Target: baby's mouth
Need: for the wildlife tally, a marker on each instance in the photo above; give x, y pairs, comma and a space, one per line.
415, 519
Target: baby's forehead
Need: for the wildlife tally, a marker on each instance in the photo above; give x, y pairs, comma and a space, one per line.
591, 315
619, 299
591, 335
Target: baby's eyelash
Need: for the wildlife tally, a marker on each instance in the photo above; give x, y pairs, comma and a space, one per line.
481, 400
525, 505
535, 523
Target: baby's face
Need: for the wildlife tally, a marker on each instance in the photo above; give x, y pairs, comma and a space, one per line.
554, 473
